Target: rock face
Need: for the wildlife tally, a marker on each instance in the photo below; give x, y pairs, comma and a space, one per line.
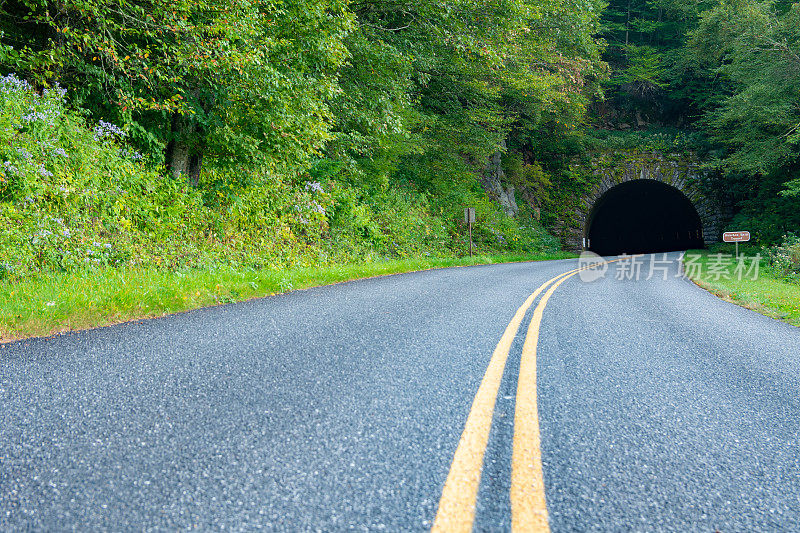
494, 181
681, 172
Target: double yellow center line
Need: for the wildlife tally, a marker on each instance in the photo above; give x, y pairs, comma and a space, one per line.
528, 507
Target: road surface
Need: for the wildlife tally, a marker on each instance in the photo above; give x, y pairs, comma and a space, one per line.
660, 408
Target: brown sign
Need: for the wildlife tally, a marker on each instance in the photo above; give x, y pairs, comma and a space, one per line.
736, 236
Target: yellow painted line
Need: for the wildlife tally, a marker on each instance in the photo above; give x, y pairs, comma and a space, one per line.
528, 504
456, 511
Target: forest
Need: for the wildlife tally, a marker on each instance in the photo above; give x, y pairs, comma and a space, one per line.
278, 133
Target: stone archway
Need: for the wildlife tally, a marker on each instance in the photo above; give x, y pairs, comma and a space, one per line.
681, 174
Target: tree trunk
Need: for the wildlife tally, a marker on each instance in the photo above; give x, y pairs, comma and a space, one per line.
628, 24
184, 153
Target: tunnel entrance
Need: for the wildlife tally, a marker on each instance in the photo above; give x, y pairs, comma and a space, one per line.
643, 216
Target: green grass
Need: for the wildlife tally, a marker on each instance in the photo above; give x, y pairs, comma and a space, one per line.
53, 302
766, 294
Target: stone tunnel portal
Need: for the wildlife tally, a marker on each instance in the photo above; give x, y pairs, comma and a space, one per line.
643, 216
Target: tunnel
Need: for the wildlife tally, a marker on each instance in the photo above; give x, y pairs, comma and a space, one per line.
643, 216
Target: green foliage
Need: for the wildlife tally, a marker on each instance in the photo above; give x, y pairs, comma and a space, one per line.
757, 49
243, 80
792, 188
66, 190
266, 94
644, 72
76, 198
754, 47
762, 208
439, 85
650, 69
665, 140
531, 178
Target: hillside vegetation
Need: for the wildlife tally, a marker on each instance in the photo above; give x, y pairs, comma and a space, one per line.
77, 198
272, 134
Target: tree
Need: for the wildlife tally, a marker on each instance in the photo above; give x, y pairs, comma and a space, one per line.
652, 77
243, 80
756, 48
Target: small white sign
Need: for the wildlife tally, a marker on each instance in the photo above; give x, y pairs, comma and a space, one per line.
469, 215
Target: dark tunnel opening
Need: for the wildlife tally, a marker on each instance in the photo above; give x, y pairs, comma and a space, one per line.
643, 216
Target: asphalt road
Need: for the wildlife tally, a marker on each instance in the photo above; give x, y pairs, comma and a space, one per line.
661, 408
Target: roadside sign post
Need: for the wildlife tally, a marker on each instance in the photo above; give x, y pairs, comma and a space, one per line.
736, 237
469, 218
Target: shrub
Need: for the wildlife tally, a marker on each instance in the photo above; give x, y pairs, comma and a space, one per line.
784, 259
74, 196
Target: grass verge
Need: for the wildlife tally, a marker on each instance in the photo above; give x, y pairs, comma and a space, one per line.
55, 303
766, 294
